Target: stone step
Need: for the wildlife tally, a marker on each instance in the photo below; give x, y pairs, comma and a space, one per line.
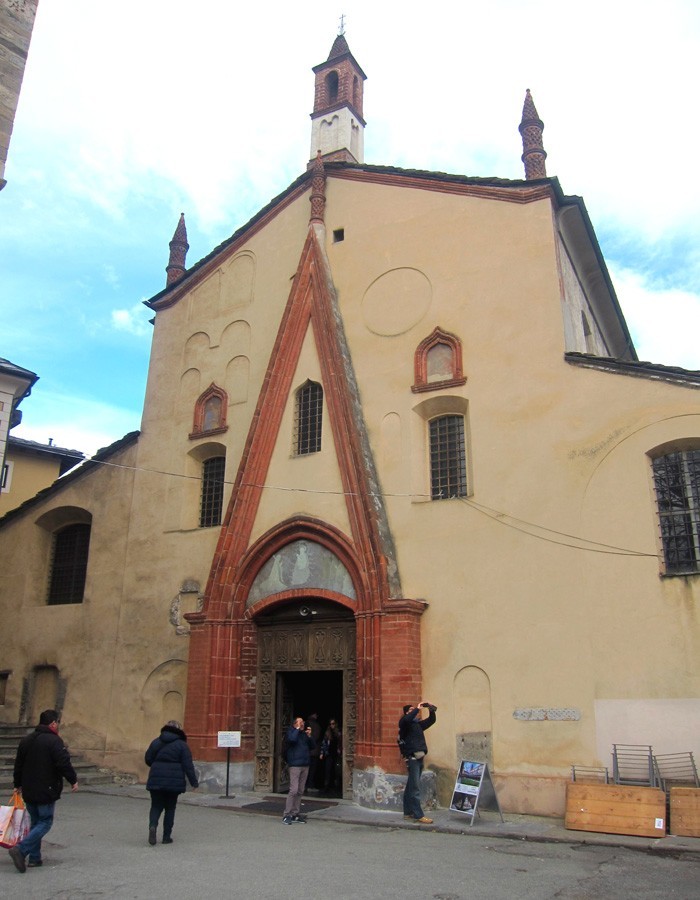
88, 774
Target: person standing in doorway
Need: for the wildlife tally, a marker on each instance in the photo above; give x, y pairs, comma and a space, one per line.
299, 747
315, 731
332, 756
412, 728
41, 764
170, 761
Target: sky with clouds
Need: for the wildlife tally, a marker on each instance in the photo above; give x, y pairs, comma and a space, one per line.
134, 111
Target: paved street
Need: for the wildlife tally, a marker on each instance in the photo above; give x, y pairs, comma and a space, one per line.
98, 849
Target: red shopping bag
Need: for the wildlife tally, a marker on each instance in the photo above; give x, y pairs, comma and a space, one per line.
14, 821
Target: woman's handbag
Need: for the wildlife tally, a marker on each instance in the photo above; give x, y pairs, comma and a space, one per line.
14, 821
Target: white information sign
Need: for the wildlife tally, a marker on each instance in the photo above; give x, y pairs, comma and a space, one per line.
229, 739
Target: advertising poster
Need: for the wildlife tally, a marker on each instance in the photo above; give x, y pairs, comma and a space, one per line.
474, 790
467, 787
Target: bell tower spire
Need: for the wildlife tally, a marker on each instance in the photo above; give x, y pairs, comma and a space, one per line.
531, 128
178, 252
337, 125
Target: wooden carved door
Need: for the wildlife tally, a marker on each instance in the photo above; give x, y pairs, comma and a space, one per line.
283, 719
286, 650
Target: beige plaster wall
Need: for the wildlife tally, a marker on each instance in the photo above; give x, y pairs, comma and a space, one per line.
29, 475
529, 607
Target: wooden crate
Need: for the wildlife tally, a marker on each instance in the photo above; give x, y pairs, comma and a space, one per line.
616, 809
685, 811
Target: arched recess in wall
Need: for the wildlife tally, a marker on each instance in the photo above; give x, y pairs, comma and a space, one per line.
238, 281
235, 339
163, 697
196, 347
472, 715
237, 378
329, 133
190, 389
619, 504
44, 690
205, 299
173, 706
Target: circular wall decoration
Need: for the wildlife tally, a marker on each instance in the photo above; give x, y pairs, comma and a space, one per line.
396, 301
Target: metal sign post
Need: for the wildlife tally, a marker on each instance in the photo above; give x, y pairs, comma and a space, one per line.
228, 739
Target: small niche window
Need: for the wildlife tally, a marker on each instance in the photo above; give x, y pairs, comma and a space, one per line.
308, 419
438, 362
210, 412
212, 498
69, 564
338, 235
677, 485
448, 458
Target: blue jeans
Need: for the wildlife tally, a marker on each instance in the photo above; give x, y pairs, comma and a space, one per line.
41, 818
411, 795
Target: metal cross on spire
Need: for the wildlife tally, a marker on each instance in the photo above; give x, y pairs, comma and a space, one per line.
341, 27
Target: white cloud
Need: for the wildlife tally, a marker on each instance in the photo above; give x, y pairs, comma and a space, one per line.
111, 277
133, 321
664, 324
75, 423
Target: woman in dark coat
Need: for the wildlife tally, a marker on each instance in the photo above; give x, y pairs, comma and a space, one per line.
170, 760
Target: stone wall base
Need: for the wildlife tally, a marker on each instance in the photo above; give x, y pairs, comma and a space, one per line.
532, 795
376, 789
212, 776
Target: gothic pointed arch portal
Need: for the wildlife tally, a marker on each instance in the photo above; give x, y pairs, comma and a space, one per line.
306, 664
301, 583
356, 572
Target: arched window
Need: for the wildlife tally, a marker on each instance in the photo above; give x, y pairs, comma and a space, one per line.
677, 485
210, 412
332, 87
308, 420
438, 362
448, 458
69, 561
212, 497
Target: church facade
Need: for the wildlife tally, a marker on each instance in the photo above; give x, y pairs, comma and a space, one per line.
396, 445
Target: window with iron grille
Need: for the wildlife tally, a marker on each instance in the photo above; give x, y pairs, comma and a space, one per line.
212, 501
677, 483
448, 458
309, 419
69, 564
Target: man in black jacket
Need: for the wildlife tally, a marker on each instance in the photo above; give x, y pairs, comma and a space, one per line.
414, 748
41, 764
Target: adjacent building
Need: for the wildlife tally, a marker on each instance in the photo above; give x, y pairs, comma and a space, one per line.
31, 466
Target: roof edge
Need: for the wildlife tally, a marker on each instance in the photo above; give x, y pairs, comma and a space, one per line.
85, 468
635, 368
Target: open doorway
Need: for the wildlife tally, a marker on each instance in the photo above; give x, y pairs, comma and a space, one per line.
321, 693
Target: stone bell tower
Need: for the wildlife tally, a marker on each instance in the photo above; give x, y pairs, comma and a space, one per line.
337, 126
